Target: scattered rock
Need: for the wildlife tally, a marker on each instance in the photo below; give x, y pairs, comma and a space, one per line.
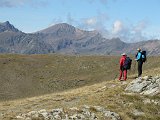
85, 113
98, 108
123, 82
19, 117
137, 112
147, 85
74, 109
112, 115
86, 107
149, 101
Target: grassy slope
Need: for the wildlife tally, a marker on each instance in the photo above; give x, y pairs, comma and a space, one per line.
26, 76
38, 70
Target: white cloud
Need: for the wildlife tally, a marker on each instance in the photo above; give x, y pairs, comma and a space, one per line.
56, 21
11, 3
94, 23
140, 26
132, 33
97, 23
117, 27
70, 19
126, 32
15, 3
91, 21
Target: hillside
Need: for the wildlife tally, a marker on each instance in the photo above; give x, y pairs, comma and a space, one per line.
29, 75
36, 82
66, 39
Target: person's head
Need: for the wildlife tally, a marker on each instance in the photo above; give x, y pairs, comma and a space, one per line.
123, 54
139, 49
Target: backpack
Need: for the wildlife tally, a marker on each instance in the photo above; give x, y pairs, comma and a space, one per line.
127, 63
144, 58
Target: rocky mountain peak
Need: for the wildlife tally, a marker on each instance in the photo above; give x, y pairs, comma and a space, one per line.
62, 27
7, 23
6, 26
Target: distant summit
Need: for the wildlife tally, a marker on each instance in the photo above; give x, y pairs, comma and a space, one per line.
61, 28
66, 39
6, 26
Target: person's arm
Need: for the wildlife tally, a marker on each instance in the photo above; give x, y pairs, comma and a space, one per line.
121, 63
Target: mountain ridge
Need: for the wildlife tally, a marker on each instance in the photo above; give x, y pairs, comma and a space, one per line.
6, 26
66, 39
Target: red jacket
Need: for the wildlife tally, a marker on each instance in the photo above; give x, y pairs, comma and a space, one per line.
121, 62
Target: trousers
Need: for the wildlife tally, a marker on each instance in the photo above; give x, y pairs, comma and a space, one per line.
123, 73
140, 63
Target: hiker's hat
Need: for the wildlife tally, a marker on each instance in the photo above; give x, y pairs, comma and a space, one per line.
139, 49
123, 54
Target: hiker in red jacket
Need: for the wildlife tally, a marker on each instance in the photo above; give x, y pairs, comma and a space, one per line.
123, 72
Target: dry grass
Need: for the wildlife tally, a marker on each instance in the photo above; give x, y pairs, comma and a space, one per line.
99, 88
111, 97
31, 75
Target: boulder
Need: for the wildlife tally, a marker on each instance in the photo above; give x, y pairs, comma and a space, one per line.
147, 85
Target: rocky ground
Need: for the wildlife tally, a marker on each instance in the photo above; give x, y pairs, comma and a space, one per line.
136, 99
84, 113
147, 85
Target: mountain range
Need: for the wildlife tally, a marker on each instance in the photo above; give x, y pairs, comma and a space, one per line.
66, 39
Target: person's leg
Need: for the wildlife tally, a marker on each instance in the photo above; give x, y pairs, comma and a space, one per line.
139, 68
125, 74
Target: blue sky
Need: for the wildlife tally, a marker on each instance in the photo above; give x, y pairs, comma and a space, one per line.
131, 20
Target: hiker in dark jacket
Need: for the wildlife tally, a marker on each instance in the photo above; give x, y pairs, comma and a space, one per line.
123, 72
139, 57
